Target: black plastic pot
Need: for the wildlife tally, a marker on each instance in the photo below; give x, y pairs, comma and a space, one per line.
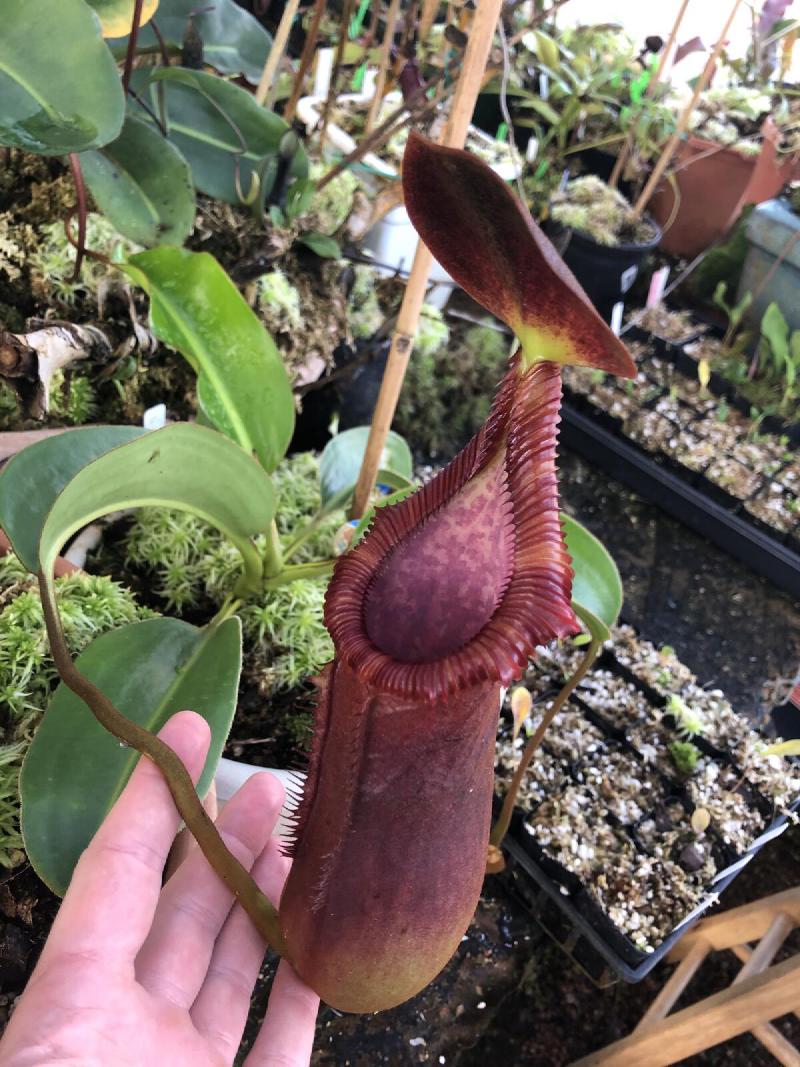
605, 272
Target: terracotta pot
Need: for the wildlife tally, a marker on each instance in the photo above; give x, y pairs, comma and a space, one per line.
714, 185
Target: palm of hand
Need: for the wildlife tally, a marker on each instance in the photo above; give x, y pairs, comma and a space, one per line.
134, 974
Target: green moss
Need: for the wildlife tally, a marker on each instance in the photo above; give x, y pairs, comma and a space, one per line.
72, 398
432, 332
89, 605
10, 408
364, 314
15, 243
190, 565
53, 261
332, 204
684, 755
587, 204
279, 303
447, 395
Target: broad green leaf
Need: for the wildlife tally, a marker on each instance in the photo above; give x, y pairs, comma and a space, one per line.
233, 41
323, 246
596, 587
183, 466
31, 481
59, 88
143, 184
242, 386
75, 770
340, 464
220, 129
116, 16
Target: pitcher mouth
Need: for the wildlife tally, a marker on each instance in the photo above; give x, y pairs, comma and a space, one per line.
500, 497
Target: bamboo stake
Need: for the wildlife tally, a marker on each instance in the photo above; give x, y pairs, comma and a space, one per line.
627, 148
305, 60
453, 135
383, 64
347, 13
267, 86
683, 121
429, 10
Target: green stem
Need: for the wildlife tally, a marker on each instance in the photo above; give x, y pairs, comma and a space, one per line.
224, 863
273, 557
322, 568
229, 607
500, 828
307, 532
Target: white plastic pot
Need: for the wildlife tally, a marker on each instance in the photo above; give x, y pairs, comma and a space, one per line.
231, 775
393, 243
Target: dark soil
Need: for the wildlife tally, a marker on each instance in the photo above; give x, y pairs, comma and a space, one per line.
511, 996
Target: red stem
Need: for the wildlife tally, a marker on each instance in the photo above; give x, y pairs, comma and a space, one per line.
126, 73
80, 192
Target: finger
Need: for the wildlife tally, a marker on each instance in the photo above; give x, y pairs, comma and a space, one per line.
184, 844
195, 902
114, 891
220, 1011
287, 1034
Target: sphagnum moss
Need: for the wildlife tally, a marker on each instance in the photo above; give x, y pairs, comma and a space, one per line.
191, 565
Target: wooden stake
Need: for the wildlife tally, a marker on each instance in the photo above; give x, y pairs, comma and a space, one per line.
627, 147
380, 81
454, 134
305, 60
347, 12
429, 10
672, 144
267, 87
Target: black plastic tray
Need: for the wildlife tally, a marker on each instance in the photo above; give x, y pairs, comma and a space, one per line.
566, 909
665, 485
675, 352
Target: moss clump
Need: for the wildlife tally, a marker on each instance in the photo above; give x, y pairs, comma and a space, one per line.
432, 332
279, 303
190, 565
16, 241
53, 261
364, 313
10, 407
89, 605
684, 755
588, 205
332, 204
72, 399
447, 394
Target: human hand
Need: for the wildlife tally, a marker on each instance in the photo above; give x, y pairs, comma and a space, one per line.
134, 973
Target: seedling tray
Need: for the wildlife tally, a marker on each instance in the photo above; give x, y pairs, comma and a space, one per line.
682, 493
566, 909
675, 352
